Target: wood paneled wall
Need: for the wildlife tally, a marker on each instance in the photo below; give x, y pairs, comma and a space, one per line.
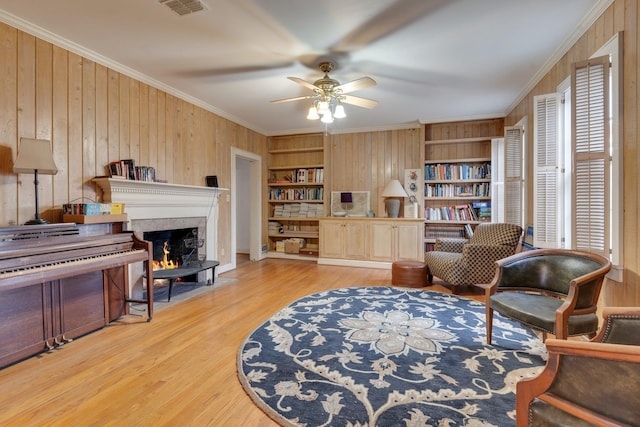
94, 115
622, 15
367, 161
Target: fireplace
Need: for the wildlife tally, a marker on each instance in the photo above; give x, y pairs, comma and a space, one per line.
153, 206
174, 248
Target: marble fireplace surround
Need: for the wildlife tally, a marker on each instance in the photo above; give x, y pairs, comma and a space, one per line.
153, 206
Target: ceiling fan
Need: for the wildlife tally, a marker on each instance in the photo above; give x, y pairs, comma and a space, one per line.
329, 95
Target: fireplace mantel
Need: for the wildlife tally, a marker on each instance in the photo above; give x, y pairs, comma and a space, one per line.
155, 200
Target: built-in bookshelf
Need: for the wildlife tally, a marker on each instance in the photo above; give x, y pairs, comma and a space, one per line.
295, 195
457, 178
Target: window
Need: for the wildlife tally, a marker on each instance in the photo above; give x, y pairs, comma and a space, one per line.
591, 150
577, 168
547, 167
514, 187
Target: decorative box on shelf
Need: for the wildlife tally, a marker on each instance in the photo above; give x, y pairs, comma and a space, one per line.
94, 219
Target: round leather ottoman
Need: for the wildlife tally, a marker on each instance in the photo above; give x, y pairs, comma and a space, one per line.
409, 273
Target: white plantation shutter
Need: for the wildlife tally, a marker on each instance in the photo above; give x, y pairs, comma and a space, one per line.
546, 171
513, 183
591, 182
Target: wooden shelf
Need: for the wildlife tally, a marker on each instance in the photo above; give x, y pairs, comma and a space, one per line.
455, 181
461, 198
433, 221
296, 184
295, 201
284, 218
94, 219
303, 234
461, 140
296, 150
292, 167
463, 160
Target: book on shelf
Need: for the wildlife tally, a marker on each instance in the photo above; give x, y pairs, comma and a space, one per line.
307, 175
127, 169
483, 210
464, 212
436, 232
457, 171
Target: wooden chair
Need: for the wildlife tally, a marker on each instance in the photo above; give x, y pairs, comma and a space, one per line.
551, 290
588, 383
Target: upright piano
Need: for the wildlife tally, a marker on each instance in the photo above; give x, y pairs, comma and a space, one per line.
60, 281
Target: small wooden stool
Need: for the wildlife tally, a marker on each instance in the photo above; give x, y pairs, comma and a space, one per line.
409, 273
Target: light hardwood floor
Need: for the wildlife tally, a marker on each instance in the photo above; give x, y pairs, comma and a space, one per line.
179, 369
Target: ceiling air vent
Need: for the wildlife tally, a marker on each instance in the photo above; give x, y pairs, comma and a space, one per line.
184, 7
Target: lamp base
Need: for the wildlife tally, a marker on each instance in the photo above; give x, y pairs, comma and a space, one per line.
36, 221
393, 207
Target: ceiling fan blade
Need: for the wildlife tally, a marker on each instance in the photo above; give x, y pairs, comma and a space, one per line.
394, 18
304, 83
358, 101
357, 84
297, 98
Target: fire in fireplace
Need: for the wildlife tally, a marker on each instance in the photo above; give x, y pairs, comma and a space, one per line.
174, 248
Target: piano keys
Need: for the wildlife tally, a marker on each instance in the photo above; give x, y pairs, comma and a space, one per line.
60, 281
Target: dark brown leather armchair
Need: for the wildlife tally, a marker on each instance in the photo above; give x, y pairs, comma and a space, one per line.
551, 290
588, 383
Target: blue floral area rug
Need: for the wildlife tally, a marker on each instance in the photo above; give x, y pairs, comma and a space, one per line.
382, 356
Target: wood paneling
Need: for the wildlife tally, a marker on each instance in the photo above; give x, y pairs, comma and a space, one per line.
94, 115
622, 15
367, 161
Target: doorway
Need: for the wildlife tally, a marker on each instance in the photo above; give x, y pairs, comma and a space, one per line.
246, 204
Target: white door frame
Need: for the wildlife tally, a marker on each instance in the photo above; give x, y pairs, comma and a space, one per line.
255, 203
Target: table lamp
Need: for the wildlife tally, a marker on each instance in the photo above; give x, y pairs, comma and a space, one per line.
35, 155
392, 193
345, 199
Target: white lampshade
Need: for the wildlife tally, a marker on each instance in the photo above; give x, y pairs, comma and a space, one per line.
327, 117
339, 113
35, 154
323, 107
313, 113
394, 189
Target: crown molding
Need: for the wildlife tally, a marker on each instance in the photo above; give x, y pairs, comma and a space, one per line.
596, 11
55, 39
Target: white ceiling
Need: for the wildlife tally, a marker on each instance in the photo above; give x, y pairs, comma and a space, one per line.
433, 60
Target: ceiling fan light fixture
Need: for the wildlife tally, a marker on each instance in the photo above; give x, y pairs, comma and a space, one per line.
327, 118
323, 107
313, 113
339, 113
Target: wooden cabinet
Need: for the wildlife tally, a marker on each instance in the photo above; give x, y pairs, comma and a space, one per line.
370, 242
343, 239
396, 241
295, 192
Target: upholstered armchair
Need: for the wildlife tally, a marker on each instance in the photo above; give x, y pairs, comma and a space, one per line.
587, 383
551, 290
461, 262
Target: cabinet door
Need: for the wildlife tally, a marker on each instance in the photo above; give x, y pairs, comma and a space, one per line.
408, 243
382, 237
355, 240
331, 239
